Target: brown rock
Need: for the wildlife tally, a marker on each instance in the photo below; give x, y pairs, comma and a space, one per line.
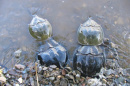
63, 72
19, 66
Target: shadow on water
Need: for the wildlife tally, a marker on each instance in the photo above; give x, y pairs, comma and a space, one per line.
65, 17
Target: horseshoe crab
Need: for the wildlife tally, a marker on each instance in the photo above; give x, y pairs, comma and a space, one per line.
51, 52
89, 57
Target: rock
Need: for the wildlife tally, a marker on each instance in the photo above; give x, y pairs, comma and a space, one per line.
94, 82
63, 72
104, 81
20, 80
2, 79
17, 53
120, 70
116, 76
77, 72
45, 68
19, 66
68, 69
45, 82
70, 77
32, 81
8, 76
39, 69
113, 45
16, 84
50, 69
57, 69
57, 82
74, 73
77, 77
59, 77
64, 82
109, 72
82, 79
52, 78
53, 66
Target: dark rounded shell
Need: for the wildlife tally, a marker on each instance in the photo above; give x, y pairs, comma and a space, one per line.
52, 53
94, 50
88, 60
90, 33
40, 28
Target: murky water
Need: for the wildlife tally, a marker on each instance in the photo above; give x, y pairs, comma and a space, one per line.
65, 17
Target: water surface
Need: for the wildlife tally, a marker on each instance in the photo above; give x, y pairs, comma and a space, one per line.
65, 17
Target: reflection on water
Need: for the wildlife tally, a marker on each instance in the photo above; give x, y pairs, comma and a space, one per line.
65, 17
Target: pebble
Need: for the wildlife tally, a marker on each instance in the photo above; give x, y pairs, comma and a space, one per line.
104, 80
57, 82
45, 68
63, 72
32, 81
53, 66
77, 77
113, 45
2, 79
19, 66
20, 80
17, 53
52, 78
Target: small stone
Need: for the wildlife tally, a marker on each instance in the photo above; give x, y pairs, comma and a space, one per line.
45, 82
20, 80
70, 77
68, 69
53, 66
64, 82
120, 70
52, 78
45, 68
77, 72
82, 79
77, 77
104, 80
59, 77
94, 82
7, 76
57, 82
116, 76
110, 54
2, 79
50, 69
16, 84
39, 69
19, 66
109, 72
63, 72
18, 53
114, 45
32, 81
74, 73
47, 74
57, 69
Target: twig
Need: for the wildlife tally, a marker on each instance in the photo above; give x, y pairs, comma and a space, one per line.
36, 73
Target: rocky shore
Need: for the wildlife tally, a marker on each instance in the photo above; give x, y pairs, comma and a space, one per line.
34, 74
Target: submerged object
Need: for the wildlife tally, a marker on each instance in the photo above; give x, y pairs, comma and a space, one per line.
40, 28
89, 58
51, 52
90, 33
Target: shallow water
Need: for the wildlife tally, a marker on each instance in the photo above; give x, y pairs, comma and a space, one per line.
65, 17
